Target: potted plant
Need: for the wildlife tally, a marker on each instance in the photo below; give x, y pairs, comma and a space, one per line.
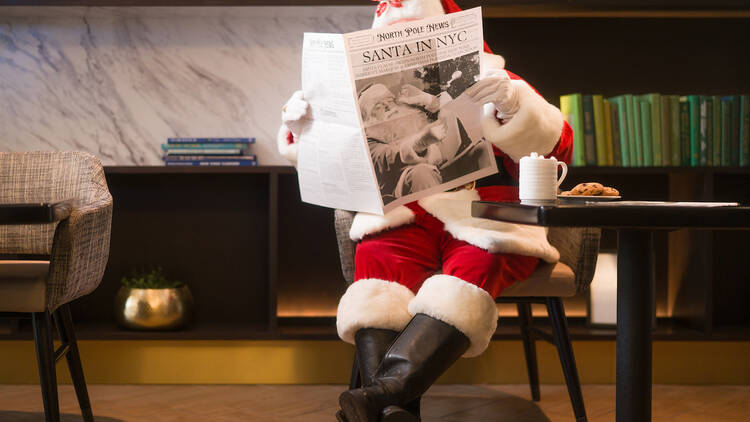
148, 300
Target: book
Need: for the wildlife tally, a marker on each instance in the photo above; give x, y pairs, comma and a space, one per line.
571, 107
734, 155
205, 145
744, 140
716, 135
210, 140
616, 129
630, 113
685, 131
654, 102
209, 158
589, 133
609, 141
637, 130
694, 129
600, 131
212, 163
665, 128
726, 131
204, 151
704, 130
674, 121
647, 141
622, 121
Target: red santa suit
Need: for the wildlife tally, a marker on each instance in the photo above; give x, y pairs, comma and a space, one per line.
400, 254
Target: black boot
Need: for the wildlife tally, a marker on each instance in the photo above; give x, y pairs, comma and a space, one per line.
423, 351
371, 345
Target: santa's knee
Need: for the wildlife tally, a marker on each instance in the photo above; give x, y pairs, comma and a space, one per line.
463, 305
372, 303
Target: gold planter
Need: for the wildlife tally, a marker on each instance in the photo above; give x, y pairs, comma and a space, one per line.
153, 309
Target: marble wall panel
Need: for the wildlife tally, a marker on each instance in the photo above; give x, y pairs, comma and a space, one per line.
118, 81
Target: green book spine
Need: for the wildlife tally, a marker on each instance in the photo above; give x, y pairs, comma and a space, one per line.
654, 101
589, 133
685, 131
600, 130
703, 130
726, 131
632, 145
674, 108
665, 130
622, 121
735, 155
615, 130
745, 130
571, 108
716, 135
638, 132
694, 104
647, 140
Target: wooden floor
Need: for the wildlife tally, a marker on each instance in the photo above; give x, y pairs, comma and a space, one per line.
443, 403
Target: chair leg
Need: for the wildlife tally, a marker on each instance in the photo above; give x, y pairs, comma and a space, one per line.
559, 322
529, 347
45, 354
354, 380
67, 335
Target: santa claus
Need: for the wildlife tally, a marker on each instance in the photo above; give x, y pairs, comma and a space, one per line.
427, 273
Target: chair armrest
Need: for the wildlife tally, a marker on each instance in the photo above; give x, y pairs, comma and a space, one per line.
36, 213
343, 223
80, 250
579, 249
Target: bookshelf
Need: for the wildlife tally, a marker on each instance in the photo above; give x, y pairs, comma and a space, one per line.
263, 265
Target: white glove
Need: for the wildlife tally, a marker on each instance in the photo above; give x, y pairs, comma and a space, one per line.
293, 111
496, 88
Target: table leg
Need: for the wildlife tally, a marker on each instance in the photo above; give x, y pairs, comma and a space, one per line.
635, 294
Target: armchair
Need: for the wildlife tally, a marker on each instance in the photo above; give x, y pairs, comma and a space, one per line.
46, 264
578, 249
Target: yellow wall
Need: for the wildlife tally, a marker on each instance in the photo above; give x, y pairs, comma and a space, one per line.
329, 362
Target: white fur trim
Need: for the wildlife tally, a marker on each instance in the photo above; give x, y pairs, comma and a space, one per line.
454, 210
287, 150
491, 62
372, 303
463, 305
410, 9
535, 127
366, 223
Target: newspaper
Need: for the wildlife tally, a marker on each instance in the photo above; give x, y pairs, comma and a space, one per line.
389, 122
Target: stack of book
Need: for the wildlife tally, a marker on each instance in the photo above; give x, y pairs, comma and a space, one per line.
209, 152
659, 130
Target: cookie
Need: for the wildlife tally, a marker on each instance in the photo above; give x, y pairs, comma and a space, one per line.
588, 189
566, 193
608, 191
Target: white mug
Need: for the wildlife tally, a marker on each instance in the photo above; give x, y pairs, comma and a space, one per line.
538, 180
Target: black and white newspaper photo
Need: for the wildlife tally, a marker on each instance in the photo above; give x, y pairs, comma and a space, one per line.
419, 134
422, 133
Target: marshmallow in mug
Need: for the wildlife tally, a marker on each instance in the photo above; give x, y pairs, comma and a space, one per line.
538, 180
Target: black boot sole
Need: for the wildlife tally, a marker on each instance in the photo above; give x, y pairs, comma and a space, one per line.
397, 414
356, 408
340, 417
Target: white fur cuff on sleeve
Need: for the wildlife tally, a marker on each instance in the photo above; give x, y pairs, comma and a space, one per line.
372, 303
535, 127
463, 305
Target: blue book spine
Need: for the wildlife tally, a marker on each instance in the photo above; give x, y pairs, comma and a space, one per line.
191, 146
251, 157
210, 140
213, 163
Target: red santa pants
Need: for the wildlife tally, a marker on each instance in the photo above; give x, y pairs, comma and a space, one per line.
410, 254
